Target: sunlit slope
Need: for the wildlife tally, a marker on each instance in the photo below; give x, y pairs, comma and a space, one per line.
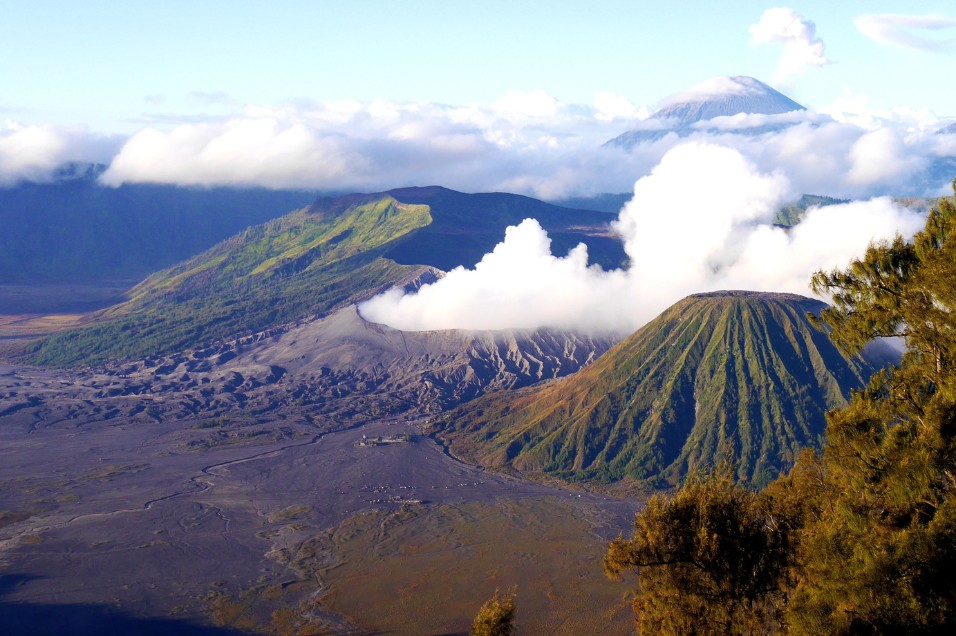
308, 262
739, 376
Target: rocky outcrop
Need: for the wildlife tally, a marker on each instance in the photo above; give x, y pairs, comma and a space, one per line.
341, 366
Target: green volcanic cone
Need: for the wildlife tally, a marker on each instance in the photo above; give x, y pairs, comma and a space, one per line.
727, 376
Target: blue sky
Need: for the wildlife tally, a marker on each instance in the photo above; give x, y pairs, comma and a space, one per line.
493, 81
113, 64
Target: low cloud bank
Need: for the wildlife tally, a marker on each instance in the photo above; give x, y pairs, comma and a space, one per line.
700, 221
528, 143
34, 153
524, 142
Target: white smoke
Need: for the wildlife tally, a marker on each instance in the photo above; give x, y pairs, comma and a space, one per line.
801, 48
701, 221
518, 285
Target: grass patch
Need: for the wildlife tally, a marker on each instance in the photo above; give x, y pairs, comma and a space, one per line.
32, 539
107, 473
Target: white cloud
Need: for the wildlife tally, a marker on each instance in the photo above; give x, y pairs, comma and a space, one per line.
611, 106
747, 121
855, 109
801, 48
944, 145
701, 221
557, 152
262, 151
881, 155
822, 156
530, 143
28, 151
906, 31
34, 153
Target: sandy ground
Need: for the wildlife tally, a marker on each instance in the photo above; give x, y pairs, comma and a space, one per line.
124, 515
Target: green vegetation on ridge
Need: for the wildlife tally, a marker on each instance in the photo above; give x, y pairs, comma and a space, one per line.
790, 215
302, 264
310, 262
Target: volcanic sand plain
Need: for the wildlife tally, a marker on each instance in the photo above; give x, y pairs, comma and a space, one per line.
290, 525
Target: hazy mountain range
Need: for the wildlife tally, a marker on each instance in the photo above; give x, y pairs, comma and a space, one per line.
74, 229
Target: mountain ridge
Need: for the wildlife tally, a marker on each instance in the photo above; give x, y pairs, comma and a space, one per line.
297, 265
311, 262
465, 227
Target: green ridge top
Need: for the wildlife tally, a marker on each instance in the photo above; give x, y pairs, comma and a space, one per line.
302, 264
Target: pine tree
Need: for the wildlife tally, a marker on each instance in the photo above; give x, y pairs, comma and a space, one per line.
496, 616
860, 539
879, 556
709, 560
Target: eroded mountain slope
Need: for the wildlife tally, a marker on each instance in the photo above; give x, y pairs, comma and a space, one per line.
736, 376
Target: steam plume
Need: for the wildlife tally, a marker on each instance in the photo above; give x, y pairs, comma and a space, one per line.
801, 48
701, 221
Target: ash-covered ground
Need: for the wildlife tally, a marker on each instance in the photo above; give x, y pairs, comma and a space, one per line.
282, 482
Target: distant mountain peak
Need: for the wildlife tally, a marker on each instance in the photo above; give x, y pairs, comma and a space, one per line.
716, 97
722, 87
725, 96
